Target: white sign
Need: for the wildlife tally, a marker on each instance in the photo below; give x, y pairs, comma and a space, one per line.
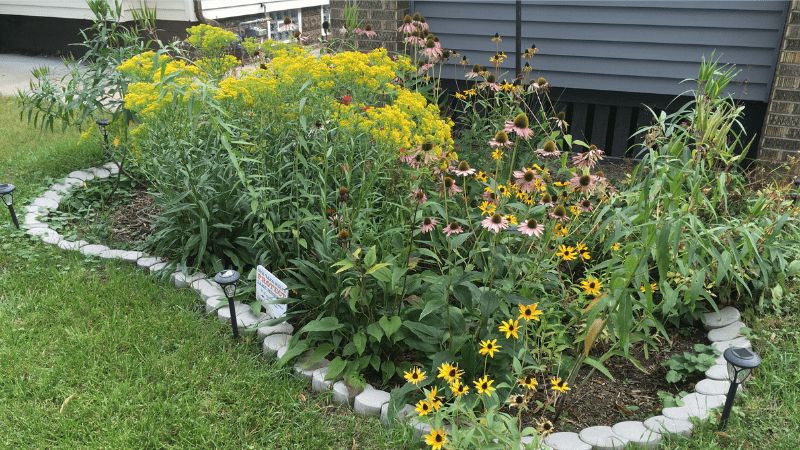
270, 290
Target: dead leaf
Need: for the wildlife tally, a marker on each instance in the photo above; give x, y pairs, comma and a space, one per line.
725, 435
302, 397
61, 411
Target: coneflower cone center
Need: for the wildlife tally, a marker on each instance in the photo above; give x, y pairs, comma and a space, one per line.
490, 78
549, 146
586, 203
497, 219
541, 81
585, 180
546, 198
448, 182
528, 177
532, 224
463, 166
521, 121
501, 137
560, 211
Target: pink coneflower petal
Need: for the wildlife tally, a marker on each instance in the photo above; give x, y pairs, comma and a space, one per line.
453, 228
495, 223
449, 185
523, 132
418, 196
531, 228
584, 183
586, 205
407, 28
463, 169
526, 180
495, 144
427, 224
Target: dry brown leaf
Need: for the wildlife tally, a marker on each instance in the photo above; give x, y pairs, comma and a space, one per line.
61, 411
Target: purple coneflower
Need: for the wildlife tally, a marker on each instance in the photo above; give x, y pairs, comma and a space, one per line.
525, 179
586, 205
559, 213
490, 82
368, 32
453, 228
560, 121
418, 196
448, 185
427, 224
539, 86
421, 24
519, 126
548, 149
491, 197
424, 68
476, 71
531, 228
588, 159
408, 26
546, 200
287, 24
495, 223
430, 50
464, 169
500, 140
583, 183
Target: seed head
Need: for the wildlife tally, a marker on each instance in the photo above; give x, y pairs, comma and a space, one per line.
463, 166
501, 137
368, 27
417, 17
546, 198
532, 223
549, 146
541, 81
344, 195
562, 115
521, 121
491, 78
585, 180
428, 146
560, 211
407, 19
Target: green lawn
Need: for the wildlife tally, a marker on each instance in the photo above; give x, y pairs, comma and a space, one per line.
98, 355
143, 367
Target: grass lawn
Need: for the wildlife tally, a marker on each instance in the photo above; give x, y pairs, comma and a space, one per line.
98, 355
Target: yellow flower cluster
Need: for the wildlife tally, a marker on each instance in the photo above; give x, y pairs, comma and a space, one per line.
143, 67
210, 39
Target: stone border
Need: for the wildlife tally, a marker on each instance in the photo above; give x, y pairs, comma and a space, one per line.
723, 331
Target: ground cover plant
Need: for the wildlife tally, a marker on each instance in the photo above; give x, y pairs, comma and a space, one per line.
483, 267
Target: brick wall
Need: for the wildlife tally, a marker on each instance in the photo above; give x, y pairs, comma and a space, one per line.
781, 137
312, 24
384, 16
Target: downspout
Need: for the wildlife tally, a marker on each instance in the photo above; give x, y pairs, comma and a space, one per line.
198, 11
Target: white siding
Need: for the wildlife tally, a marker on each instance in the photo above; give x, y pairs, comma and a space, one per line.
223, 9
180, 10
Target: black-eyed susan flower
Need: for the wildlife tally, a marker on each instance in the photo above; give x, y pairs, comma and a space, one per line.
545, 427
512, 219
517, 401
434, 398
560, 231
497, 154
423, 407
415, 375
458, 388
487, 208
615, 247
559, 385
653, 287
528, 382
566, 252
510, 328
481, 176
591, 286
489, 347
529, 312
436, 439
497, 38
449, 372
484, 385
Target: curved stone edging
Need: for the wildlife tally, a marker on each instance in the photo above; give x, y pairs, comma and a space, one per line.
723, 331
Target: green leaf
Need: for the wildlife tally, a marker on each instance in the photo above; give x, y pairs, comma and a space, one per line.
390, 326
335, 368
376, 267
599, 366
369, 260
375, 331
324, 324
360, 341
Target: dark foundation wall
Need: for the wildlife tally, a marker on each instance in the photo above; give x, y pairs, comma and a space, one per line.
51, 36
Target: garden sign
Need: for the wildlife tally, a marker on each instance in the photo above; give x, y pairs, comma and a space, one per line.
269, 290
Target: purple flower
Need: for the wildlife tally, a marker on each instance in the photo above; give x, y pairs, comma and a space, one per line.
531, 228
428, 224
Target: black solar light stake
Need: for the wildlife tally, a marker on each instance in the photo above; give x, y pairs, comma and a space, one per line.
741, 362
228, 280
103, 123
7, 193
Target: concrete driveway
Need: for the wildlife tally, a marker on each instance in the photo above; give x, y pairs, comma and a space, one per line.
15, 71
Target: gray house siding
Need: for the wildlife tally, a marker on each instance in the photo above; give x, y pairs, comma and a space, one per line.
643, 47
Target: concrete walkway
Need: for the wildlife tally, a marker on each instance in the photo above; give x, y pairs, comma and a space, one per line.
15, 71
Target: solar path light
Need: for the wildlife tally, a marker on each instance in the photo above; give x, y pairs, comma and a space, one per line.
7, 193
228, 280
741, 361
103, 123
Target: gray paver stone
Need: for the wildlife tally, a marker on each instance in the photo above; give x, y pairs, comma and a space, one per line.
161, 267
52, 240
712, 387
60, 187
726, 333
40, 211
44, 202
182, 280
132, 256
81, 175
273, 343
638, 434
145, 263
281, 328
122, 255
282, 351
93, 249
74, 246
73, 181
742, 342
111, 167
726, 316
31, 221
318, 382
244, 317
53, 195
213, 302
42, 231
369, 402
695, 405
421, 428
307, 370
100, 173
526, 440
566, 440
718, 372
665, 425
403, 415
207, 288
344, 395
602, 438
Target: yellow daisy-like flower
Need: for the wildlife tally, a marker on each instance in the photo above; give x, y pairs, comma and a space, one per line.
561, 183
489, 347
615, 247
497, 154
436, 439
487, 208
529, 312
424, 407
517, 400
528, 382
511, 218
529, 200
575, 210
559, 385
586, 256
560, 230
484, 385
460, 95
415, 375
116, 141
458, 388
545, 428
566, 252
653, 287
449, 372
510, 328
481, 176
434, 399
502, 190
591, 286
580, 246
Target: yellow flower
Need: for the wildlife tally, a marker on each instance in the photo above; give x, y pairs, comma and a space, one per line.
586, 256
460, 95
529, 312
615, 247
580, 246
512, 219
116, 141
653, 287
458, 388
545, 427
559, 385
560, 230
575, 210
489, 347
561, 183
434, 399
591, 286
481, 176
528, 382
449, 372
487, 208
510, 328
484, 385
566, 252
502, 190
424, 407
415, 375
437, 438
497, 154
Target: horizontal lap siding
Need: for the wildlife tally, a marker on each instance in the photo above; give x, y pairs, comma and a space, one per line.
641, 47
223, 9
180, 10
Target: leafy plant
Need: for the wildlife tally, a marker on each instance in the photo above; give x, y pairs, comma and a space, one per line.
689, 364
